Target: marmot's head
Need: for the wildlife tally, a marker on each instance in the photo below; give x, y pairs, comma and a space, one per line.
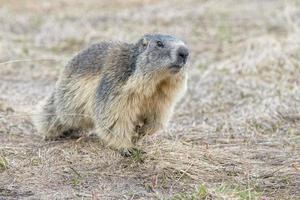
161, 54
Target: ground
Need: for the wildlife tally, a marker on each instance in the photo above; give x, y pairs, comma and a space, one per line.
234, 135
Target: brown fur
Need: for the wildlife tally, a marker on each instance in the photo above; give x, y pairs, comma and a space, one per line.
134, 106
115, 89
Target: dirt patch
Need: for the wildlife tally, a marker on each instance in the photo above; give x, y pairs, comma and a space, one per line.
10, 194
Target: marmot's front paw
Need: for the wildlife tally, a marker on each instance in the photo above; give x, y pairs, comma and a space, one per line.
130, 152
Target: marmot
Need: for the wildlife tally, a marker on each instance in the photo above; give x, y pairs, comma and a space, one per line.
124, 91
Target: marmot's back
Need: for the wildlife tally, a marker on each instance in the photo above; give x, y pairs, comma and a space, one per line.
89, 60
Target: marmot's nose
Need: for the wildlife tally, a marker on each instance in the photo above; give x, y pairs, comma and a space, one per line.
182, 54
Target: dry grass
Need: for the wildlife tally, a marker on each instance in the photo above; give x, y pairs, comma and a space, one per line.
235, 135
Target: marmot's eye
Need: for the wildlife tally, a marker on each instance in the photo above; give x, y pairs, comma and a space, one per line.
160, 44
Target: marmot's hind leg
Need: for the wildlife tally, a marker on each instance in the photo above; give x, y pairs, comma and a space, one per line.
48, 123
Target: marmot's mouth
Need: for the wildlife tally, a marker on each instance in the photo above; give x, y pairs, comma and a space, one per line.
175, 68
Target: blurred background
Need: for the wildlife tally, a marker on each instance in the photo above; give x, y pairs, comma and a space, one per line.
235, 134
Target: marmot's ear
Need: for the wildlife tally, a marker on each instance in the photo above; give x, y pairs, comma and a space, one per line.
143, 44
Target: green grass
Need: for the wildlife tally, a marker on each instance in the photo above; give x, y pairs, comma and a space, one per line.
3, 163
201, 193
239, 192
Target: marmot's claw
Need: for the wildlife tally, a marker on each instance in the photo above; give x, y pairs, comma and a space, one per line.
125, 152
46, 138
129, 152
69, 134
